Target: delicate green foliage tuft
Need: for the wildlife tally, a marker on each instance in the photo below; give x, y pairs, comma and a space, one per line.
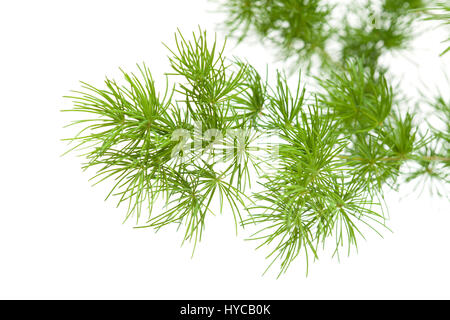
379, 29
313, 196
359, 98
143, 140
297, 27
126, 135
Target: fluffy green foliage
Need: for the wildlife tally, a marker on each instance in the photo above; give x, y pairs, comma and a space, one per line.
297, 27
175, 155
359, 98
133, 136
306, 28
379, 28
314, 195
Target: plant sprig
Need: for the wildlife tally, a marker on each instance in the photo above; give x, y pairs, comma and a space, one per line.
200, 143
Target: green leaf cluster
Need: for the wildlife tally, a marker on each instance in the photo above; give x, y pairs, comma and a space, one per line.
174, 155
156, 147
295, 26
307, 28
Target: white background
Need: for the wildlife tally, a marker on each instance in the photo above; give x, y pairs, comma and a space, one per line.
59, 239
